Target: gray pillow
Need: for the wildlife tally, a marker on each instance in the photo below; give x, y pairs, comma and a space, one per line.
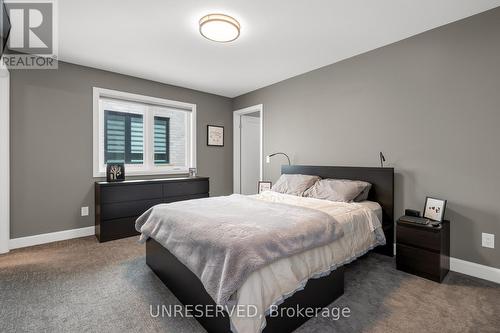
294, 184
342, 190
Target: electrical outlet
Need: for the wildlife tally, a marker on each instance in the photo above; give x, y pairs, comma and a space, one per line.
85, 211
488, 240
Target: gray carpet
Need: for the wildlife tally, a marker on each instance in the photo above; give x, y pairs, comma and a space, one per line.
83, 286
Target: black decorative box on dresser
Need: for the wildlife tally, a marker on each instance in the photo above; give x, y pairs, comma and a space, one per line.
119, 204
423, 250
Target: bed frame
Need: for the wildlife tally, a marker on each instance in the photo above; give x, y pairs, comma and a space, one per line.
317, 293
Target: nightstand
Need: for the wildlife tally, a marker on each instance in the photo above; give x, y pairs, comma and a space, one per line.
423, 250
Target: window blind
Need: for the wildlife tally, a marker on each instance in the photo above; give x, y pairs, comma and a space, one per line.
124, 137
162, 140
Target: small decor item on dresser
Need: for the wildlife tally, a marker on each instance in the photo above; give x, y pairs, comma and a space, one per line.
434, 209
192, 172
115, 172
215, 136
264, 186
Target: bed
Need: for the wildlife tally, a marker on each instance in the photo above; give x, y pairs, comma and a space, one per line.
306, 279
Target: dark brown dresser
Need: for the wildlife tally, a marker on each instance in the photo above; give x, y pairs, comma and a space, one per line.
119, 204
423, 250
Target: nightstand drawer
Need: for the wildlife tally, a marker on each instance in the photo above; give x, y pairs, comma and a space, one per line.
426, 238
418, 261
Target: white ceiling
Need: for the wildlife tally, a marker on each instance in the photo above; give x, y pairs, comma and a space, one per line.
159, 40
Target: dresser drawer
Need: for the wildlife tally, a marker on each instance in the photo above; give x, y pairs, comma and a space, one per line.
127, 209
185, 188
426, 238
186, 197
121, 193
117, 228
418, 261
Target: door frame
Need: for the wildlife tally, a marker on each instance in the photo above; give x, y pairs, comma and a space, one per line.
4, 160
237, 143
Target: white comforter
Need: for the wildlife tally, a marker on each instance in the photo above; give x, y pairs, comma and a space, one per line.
279, 280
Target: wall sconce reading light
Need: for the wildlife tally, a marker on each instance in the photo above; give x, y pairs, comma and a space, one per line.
268, 157
382, 160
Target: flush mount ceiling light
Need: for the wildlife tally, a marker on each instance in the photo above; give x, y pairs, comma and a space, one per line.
219, 28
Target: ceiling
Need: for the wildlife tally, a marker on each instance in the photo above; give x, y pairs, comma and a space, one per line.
159, 39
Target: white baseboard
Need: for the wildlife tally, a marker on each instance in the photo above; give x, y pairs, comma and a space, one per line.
477, 270
17, 243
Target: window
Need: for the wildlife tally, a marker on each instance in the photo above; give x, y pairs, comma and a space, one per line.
150, 135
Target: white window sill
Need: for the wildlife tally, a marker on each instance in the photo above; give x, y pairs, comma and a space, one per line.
102, 174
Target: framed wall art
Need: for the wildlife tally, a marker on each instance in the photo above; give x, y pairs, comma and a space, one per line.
215, 136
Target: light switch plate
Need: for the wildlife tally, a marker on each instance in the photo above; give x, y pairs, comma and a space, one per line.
85, 211
488, 240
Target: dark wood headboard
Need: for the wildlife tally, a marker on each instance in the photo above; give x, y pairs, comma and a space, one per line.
382, 191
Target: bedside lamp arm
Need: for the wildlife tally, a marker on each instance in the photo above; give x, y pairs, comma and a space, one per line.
268, 157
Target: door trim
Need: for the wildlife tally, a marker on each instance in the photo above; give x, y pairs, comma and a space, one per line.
237, 141
4, 160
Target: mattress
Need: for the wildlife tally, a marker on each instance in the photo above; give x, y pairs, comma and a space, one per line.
272, 284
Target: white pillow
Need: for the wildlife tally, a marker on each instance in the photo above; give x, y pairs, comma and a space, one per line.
364, 194
294, 184
341, 190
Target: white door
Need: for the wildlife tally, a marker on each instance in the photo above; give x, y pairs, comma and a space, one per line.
250, 154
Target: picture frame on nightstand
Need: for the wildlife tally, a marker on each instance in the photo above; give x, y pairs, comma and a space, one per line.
434, 209
264, 186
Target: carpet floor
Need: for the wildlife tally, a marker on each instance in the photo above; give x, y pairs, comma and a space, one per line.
82, 286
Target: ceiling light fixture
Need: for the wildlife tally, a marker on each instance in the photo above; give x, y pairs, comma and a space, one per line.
219, 28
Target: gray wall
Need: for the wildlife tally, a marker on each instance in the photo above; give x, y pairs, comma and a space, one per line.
431, 103
51, 143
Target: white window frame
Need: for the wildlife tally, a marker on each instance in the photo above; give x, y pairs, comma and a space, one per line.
148, 168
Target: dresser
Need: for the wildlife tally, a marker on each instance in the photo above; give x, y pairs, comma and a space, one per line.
423, 250
119, 204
